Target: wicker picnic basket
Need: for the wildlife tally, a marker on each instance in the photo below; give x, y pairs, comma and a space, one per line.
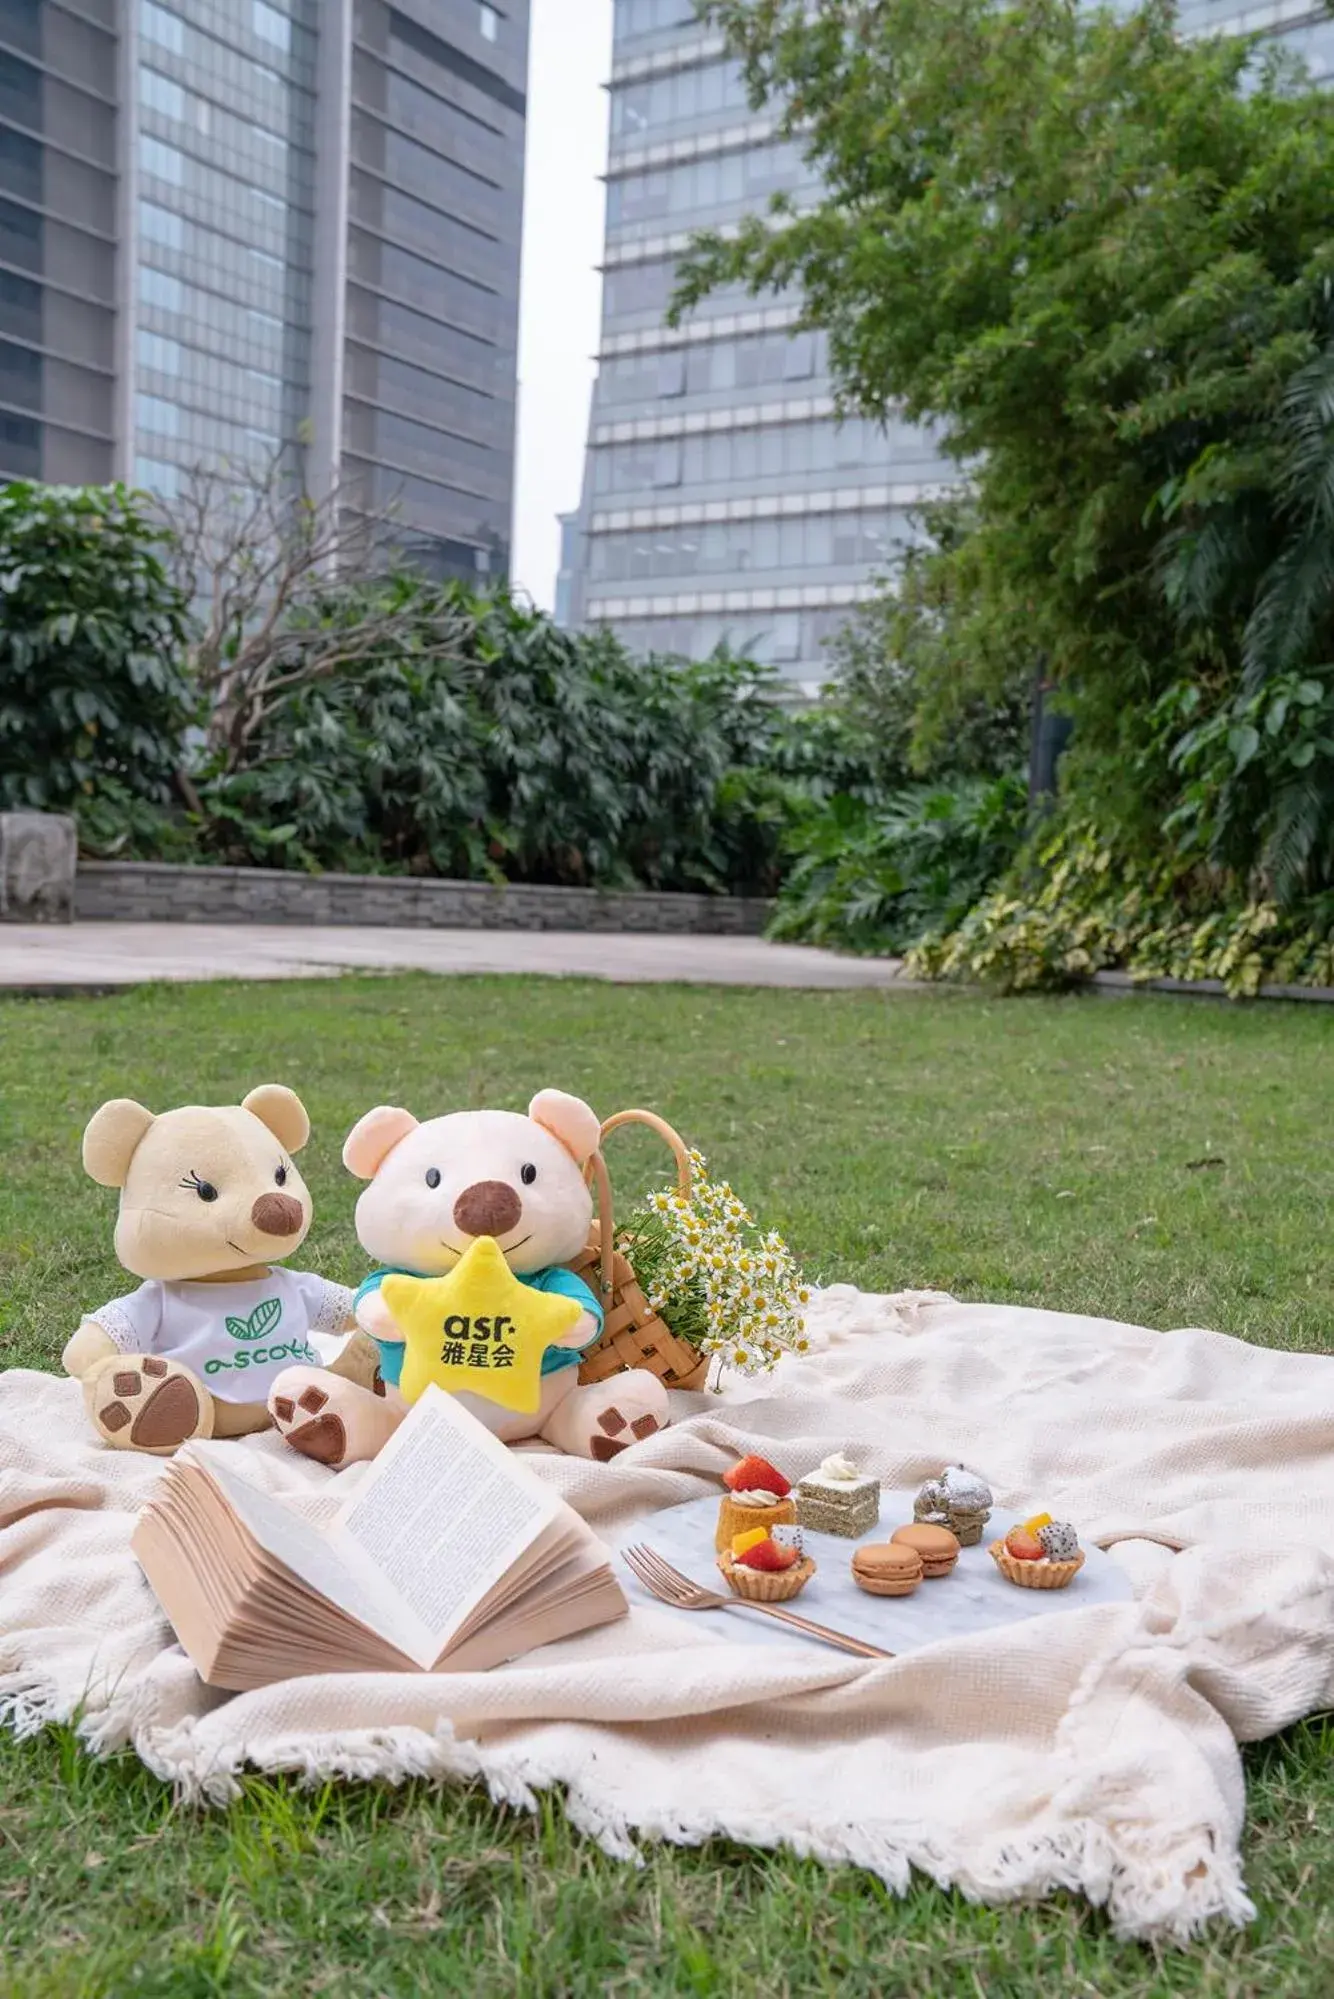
632, 1333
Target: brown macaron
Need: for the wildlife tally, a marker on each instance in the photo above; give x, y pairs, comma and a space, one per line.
884, 1570
938, 1548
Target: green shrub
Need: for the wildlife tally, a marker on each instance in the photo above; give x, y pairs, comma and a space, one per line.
878, 876
1073, 908
527, 754
94, 702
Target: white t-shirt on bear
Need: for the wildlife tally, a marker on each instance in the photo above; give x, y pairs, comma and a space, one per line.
236, 1337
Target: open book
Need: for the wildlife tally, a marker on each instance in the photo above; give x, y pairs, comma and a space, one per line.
451, 1555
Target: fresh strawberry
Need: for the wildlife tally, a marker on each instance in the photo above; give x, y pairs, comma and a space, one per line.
756, 1475
767, 1554
1025, 1547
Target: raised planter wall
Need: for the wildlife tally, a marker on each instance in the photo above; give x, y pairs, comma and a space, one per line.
154, 892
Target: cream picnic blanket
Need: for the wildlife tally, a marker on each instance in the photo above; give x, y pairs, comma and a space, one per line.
1095, 1751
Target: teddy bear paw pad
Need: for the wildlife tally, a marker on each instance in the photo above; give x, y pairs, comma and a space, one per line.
619, 1432
324, 1439
309, 1425
150, 1405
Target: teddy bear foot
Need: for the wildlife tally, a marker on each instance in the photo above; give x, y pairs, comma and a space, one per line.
140, 1402
606, 1418
334, 1422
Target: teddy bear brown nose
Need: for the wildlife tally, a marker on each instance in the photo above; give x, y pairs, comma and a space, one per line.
277, 1214
487, 1208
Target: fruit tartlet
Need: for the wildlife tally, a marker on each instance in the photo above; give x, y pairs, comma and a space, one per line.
764, 1570
757, 1496
836, 1498
1040, 1553
957, 1499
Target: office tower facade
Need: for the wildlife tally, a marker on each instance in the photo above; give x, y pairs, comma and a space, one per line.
58, 222
722, 500
267, 225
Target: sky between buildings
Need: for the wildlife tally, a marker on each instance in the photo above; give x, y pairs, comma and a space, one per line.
569, 63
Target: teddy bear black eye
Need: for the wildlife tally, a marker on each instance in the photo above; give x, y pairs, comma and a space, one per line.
528, 1174
204, 1188
433, 1176
280, 1177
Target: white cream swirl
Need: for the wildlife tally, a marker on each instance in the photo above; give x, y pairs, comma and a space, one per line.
839, 1470
756, 1499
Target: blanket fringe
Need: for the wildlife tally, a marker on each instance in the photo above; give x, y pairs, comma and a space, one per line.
1160, 1883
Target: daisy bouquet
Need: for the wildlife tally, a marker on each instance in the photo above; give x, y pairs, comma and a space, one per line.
713, 1277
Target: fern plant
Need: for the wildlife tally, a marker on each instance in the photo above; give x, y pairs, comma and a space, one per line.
877, 876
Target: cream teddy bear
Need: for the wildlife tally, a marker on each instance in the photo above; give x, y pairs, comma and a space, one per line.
435, 1189
210, 1200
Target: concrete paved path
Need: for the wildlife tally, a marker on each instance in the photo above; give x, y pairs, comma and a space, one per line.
83, 957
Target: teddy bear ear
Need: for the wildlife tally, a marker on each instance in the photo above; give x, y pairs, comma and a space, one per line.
568, 1119
373, 1137
282, 1111
111, 1139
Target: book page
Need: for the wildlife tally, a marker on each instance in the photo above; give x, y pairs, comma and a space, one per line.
346, 1579
445, 1511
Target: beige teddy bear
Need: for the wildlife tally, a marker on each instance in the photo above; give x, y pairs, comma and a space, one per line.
210, 1202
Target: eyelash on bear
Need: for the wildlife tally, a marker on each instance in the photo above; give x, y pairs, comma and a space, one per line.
192, 1179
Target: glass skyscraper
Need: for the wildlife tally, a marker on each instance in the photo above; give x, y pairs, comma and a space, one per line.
721, 498
232, 226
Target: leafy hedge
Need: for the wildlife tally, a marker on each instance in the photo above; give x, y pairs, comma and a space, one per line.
531, 754
1075, 909
465, 735
94, 697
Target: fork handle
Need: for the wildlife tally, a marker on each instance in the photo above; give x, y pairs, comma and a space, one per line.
839, 1638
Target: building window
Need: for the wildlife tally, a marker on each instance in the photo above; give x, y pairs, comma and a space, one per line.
159, 93
157, 25
164, 162
153, 413
490, 23
157, 476
156, 288
20, 376
159, 225
270, 25
164, 356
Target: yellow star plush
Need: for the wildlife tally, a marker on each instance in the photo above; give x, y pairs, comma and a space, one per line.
479, 1329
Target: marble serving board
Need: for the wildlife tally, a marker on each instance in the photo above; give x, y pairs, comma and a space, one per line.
974, 1597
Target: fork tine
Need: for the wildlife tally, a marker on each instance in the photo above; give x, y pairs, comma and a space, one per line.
657, 1576
668, 1579
672, 1578
672, 1588
664, 1567
637, 1559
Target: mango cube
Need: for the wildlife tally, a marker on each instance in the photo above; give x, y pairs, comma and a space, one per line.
1038, 1521
751, 1538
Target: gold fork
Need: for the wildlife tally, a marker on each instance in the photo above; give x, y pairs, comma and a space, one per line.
661, 1580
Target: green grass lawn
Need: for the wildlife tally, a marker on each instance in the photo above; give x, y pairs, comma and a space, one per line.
1158, 1161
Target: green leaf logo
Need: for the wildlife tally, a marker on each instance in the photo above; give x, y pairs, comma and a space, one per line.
262, 1320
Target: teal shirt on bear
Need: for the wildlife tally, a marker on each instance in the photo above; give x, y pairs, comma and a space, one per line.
564, 1282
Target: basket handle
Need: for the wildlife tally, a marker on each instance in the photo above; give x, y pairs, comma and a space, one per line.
602, 1180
